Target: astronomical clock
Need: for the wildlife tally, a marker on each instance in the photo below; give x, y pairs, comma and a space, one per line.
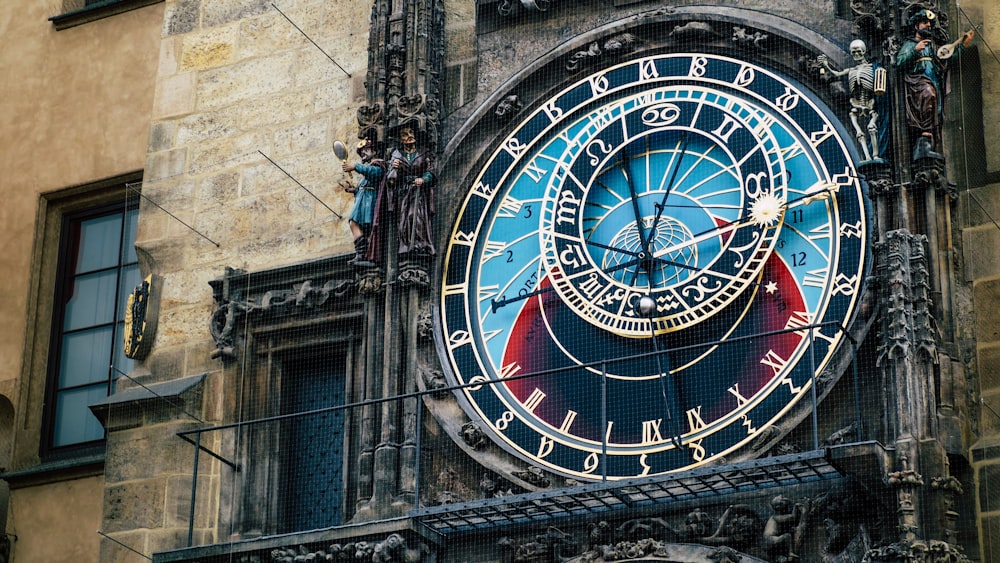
650, 267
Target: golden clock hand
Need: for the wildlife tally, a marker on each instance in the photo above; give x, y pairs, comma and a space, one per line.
643, 239
702, 236
812, 195
670, 184
805, 199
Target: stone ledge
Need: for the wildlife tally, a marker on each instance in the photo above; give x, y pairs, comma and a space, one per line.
56, 470
98, 11
147, 395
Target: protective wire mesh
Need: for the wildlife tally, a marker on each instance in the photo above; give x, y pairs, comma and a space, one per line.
547, 399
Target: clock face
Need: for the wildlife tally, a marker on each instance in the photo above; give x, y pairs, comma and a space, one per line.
652, 267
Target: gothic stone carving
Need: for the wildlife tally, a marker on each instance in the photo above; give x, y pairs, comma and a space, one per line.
300, 298
474, 435
508, 108
744, 38
393, 549
617, 45
533, 476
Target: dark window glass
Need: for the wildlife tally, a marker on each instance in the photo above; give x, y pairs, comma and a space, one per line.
312, 476
98, 271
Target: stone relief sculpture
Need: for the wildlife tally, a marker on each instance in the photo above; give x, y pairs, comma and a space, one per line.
300, 298
784, 529
510, 7
507, 108
616, 45
393, 549
924, 65
746, 38
866, 81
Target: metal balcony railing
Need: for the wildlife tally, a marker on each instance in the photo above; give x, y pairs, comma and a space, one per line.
606, 496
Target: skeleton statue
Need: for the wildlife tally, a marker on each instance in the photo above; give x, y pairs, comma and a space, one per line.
866, 81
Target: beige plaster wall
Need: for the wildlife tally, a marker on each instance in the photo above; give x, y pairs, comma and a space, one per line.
74, 108
57, 523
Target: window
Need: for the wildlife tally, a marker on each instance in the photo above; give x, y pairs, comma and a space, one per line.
97, 271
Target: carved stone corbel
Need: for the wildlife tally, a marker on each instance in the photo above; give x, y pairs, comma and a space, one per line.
370, 283
473, 435
222, 327
508, 108
533, 476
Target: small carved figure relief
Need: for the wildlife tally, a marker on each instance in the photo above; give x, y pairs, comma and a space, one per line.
725, 555
393, 549
739, 526
693, 31
303, 296
433, 378
414, 272
697, 524
866, 80
508, 107
642, 528
372, 170
553, 545
842, 436
492, 486
450, 488
533, 476
783, 530
617, 45
425, 322
509, 7
222, 326
370, 282
755, 39
474, 435
924, 65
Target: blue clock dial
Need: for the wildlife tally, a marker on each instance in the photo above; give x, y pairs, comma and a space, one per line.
616, 262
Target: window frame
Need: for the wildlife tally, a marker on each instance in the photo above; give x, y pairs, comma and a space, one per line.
30, 453
68, 252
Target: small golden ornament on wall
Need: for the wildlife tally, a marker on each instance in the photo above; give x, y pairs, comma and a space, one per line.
140, 318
